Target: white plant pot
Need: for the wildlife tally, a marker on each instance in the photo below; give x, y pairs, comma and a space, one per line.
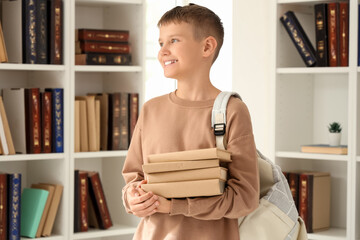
334, 139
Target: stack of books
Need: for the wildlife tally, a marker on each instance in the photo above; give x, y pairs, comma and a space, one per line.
325, 149
102, 47
191, 173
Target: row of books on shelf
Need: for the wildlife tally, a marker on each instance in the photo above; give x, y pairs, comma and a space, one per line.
192, 173
105, 121
102, 47
31, 120
331, 35
30, 212
32, 31
312, 193
90, 206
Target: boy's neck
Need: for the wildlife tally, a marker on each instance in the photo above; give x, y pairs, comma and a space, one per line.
196, 92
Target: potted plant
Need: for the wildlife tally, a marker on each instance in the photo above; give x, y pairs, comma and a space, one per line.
334, 133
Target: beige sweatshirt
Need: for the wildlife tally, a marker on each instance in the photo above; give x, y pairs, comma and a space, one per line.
167, 124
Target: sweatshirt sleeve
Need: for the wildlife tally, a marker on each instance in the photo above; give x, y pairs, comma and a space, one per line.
241, 196
132, 169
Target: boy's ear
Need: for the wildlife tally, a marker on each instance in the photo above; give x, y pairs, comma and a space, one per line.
210, 45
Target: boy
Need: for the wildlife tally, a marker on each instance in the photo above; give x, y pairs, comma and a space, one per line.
190, 40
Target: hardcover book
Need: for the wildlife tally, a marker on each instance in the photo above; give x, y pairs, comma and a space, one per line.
14, 205
3, 52
344, 34
103, 35
3, 206
55, 31
102, 59
32, 207
77, 126
104, 47
321, 34
33, 120
188, 175
299, 38
81, 201
324, 148
208, 187
133, 112
124, 122
198, 154
41, 32
46, 122
8, 136
333, 34
30, 28
57, 119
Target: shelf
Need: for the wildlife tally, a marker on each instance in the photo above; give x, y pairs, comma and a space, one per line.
331, 157
312, 70
331, 234
48, 238
31, 67
101, 154
108, 68
116, 230
106, 2
30, 157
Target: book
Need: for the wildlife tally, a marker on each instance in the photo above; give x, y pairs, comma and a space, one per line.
104, 120
81, 201
188, 175
314, 200
102, 59
123, 143
299, 38
133, 112
57, 119
30, 25
324, 148
3, 206
208, 187
333, 34
3, 52
54, 206
197, 154
104, 47
103, 35
32, 207
97, 123
84, 139
41, 31
343, 34
14, 206
3, 142
114, 121
8, 136
14, 103
179, 165
55, 31
321, 34
91, 121
50, 190
46, 122
97, 195
32, 120
77, 126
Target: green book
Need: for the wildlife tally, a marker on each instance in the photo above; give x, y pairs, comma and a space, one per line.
32, 207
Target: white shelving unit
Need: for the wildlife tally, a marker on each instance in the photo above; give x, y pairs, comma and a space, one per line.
305, 101
80, 80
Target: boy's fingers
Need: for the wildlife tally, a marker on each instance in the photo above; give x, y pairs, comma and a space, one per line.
147, 207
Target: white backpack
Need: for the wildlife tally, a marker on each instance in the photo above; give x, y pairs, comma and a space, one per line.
276, 218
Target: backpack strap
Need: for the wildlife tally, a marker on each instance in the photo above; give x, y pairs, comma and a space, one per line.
218, 117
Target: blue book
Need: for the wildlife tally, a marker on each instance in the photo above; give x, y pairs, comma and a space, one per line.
299, 38
32, 208
14, 205
57, 119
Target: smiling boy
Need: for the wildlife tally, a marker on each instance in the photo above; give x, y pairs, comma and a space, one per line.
190, 41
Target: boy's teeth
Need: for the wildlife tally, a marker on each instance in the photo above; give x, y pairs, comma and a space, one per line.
170, 62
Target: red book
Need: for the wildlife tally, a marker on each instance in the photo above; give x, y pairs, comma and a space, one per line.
344, 33
305, 200
46, 113
33, 121
55, 37
103, 35
104, 47
81, 199
3, 206
97, 195
333, 34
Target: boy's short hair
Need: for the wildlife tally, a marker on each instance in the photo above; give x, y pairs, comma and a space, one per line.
206, 22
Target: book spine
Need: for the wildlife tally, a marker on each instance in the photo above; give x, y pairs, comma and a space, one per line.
97, 194
58, 120
103, 35
33, 122
41, 32
104, 47
333, 28
305, 201
344, 34
76, 201
321, 34
104, 120
124, 121
29, 31
46, 122
55, 36
102, 59
299, 38
133, 112
14, 206
114, 137
83, 201
3, 206
3, 52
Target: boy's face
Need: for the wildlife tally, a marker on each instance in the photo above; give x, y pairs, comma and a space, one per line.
180, 53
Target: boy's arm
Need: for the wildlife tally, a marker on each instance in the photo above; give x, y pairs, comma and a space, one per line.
241, 195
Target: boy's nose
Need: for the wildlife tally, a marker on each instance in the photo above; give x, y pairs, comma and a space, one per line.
164, 50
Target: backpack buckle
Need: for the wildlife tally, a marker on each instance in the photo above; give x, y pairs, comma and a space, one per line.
219, 129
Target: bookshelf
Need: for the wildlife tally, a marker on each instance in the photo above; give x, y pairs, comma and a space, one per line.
304, 101
80, 80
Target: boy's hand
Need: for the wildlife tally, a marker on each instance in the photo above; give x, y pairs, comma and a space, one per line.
142, 204
165, 205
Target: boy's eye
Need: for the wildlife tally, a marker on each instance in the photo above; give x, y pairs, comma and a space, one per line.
161, 44
174, 40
